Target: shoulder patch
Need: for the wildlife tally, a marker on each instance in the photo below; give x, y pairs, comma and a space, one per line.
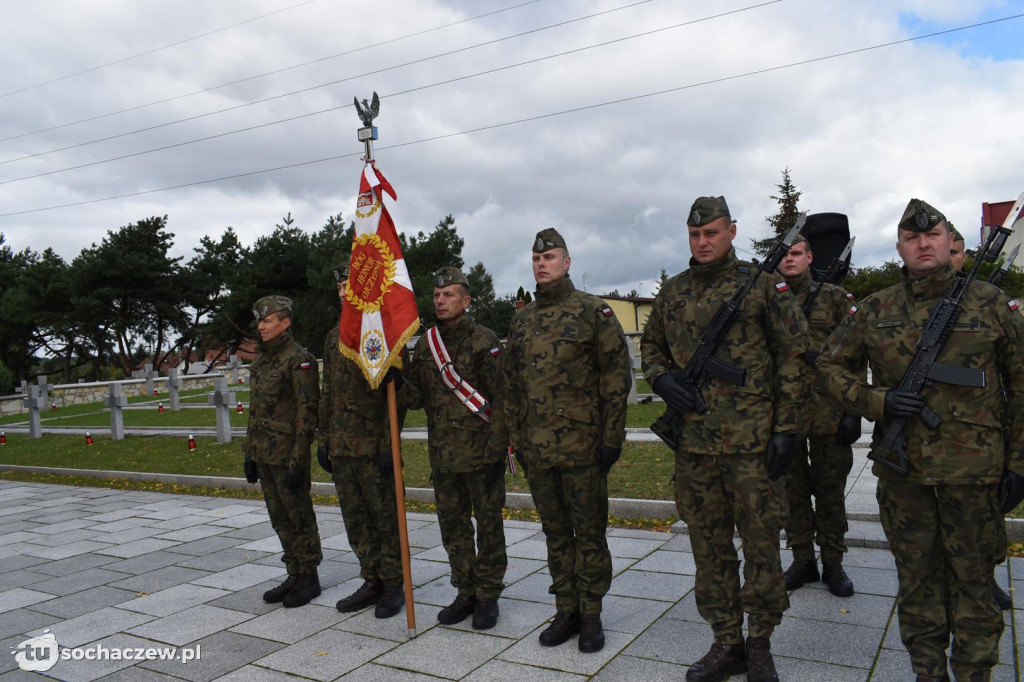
1012, 304
606, 311
781, 287
306, 365
849, 296
496, 351
852, 311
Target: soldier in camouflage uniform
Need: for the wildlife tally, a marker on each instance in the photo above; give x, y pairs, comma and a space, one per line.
282, 423
730, 459
355, 448
932, 518
568, 376
997, 535
467, 452
821, 470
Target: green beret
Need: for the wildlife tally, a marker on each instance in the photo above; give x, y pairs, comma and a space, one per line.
268, 305
341, 270
548, 239
920, 216
449, 275
957, 237
706, 209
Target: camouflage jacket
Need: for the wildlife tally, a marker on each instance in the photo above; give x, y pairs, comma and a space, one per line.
567, 376
830, 309
285, 392
767, 341
968, 447
459, 441
353, 417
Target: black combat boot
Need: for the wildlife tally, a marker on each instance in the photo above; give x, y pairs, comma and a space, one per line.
485, 614
563, 626
307, 588
368, 593
718, 663
760, 664
833, 575
800, 573
391, 601
1000, 595
591, 633
457, 611
275, 595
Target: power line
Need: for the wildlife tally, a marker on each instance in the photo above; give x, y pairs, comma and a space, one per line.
527, 119
395, 94
155, 49
334, 82
270, 73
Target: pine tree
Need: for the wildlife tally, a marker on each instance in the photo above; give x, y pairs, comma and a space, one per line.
787, 199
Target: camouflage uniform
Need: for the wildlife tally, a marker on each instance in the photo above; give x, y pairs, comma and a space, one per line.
461, 445
353, 421
721, 480
823, 474
932, 517
568, 374
282, 424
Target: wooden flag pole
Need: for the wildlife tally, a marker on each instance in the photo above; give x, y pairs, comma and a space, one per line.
403, 530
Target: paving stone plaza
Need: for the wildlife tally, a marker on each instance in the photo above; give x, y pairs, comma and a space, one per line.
102, 568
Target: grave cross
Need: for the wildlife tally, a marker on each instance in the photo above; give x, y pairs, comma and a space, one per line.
174, 387
223, 400
116, 400
34, 402
234, 365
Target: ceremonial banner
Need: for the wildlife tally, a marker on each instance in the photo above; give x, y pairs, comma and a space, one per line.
378, 316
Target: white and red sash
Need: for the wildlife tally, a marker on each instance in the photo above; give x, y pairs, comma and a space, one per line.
451, 378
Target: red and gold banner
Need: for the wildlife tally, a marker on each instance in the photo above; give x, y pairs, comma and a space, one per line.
378, 315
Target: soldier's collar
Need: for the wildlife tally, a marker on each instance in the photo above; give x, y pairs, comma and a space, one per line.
547, 294
716, 268
277, 344
799, 283
930, 286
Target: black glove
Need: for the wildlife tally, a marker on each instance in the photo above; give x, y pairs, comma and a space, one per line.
606, 457
849, 429
385, 464
1011, 490
902, 404
323, 455
679, 396
394, 374
294, 478
521, 459
493, 473
252, 472
781, 452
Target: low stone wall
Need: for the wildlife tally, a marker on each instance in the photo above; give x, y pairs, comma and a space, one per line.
94, 392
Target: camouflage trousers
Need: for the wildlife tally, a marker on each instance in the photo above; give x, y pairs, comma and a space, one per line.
934, 535
716, 495
822, 476
573, 506
478, 570
294, 521
370, 513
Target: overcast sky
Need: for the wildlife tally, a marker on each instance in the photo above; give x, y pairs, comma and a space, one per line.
938, 118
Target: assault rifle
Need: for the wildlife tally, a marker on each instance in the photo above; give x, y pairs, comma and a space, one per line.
703, 363
832, 275
925, 367
997, 275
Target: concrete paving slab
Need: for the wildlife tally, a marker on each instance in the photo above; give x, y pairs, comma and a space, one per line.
94, 625
136, 548
241, 577
191, 624
86, 601
326, 655
77, 582
222, 653
565, 657
173, 599
19, 597
531, 548
444, 652
20, 621
290, 625
500, 671
101, 666
649, 585
395, 629
70, 549
159, 579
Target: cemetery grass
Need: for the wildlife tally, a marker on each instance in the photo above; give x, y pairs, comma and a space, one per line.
643, 472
